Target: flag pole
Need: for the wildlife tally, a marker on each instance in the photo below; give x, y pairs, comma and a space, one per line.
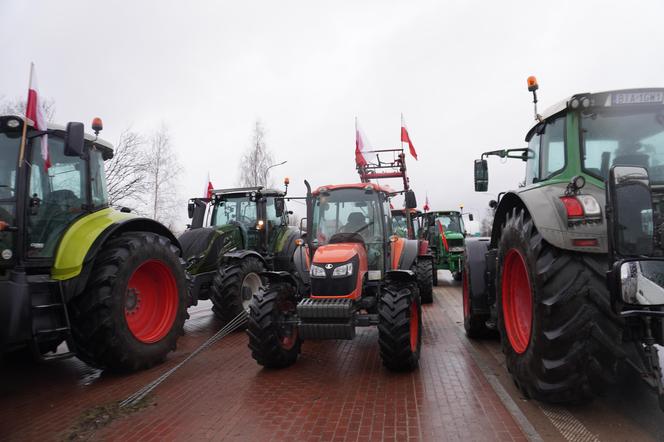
25, 121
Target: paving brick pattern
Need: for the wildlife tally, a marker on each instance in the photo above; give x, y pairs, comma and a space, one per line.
337, 391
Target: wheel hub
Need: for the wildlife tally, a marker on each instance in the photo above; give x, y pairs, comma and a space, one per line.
251, 284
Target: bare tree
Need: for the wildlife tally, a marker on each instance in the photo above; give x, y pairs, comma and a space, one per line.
162, 174
16, 106
487, 222
126, 172
256, 160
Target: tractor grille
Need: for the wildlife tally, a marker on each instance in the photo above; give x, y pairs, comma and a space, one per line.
456, 242
333, 286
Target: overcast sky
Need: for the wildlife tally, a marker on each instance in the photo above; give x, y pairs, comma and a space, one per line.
456, 69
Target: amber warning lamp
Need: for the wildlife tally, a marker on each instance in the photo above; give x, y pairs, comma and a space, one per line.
532, 87
97, 125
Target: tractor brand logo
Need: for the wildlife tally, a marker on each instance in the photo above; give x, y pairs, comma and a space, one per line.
7, 254
328, 266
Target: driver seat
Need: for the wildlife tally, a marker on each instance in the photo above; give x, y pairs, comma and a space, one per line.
356, 222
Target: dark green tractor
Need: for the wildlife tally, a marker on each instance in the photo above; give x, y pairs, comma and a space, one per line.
572, 276
234, 236
446, 234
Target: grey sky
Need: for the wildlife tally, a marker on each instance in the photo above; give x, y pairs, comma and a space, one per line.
457, 70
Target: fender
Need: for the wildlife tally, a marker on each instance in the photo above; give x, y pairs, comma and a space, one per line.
241, 254
83, 240
275, 277
548, 213
404, 253
400, 275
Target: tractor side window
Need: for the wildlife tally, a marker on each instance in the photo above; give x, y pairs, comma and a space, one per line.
98, 179
271, 210
532, 165
56, 196
552, 150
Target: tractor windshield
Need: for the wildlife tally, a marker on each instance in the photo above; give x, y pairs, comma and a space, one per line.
238, 209
351, 211
619, 137
450, 222
400, 225
9, 145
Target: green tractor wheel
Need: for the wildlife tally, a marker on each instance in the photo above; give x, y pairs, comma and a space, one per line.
234, 286
134, 306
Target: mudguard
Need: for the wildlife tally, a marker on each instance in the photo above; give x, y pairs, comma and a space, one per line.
404, 253
476, 273
275, 277
401, 275
548, 213
241, 254
81, 242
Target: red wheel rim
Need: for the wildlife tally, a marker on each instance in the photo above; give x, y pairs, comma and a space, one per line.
151, 301
465, 295
414, 327
517, 301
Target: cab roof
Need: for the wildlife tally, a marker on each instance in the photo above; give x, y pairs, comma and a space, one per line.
241, 191
97, 142
602, 99
373, 186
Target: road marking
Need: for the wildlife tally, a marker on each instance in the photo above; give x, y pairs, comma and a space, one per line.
570, 427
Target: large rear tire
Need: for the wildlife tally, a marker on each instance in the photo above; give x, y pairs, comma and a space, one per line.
474, 323
559, 335
274, 343
400, 325
424, 271
134, 306
234, 285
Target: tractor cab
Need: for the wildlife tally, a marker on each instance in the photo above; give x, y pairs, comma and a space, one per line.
50, 193
351, 220
404, 226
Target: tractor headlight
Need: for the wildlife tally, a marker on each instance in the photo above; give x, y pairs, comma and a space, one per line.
343, 270
316, 271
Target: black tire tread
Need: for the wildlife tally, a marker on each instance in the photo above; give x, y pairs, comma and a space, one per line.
394, 325
424, 271
226, 289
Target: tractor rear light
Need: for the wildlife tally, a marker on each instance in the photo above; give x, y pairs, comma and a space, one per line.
3, 226
573, 207
585, 242
299, 242
590, 205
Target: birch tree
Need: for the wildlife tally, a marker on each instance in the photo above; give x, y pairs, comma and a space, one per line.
126, 172
256, 160
162, 173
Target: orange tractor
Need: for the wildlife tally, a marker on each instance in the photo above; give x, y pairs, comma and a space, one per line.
356, 273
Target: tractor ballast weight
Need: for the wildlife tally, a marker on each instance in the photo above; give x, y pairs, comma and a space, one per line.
246, 233
109, 283
357, 274
542, 283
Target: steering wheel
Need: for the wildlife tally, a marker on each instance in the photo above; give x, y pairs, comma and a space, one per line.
246, 220
365, 227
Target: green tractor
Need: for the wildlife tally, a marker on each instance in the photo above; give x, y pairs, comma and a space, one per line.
233, 237
572, 276
446, 234
109, 283
409, 227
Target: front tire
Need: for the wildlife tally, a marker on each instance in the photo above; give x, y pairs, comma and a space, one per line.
233, 287
273, 343
400, 325
134, 306
558, 333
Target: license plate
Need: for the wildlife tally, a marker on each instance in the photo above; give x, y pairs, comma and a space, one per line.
653, 97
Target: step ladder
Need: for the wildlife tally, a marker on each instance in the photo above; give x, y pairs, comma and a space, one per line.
50, 318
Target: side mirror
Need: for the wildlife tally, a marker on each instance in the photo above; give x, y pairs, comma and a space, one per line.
471, 217
631, 219
279, 206
481, 176
411, 200
641, 283
190, 209
74, 139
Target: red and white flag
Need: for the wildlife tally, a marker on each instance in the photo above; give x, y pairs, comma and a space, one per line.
426, 204
35, 112
405, 138
362, 145
208, 188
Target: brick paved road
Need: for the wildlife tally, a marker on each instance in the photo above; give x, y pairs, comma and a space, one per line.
337, 391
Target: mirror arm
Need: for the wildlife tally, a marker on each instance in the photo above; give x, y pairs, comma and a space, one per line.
627, 313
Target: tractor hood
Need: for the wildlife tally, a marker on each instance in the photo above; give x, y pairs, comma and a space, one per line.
337, 253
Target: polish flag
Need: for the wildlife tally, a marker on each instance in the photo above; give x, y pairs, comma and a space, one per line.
443, 238
426, 204
362, 145
405, 138
35, 112
208, 188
